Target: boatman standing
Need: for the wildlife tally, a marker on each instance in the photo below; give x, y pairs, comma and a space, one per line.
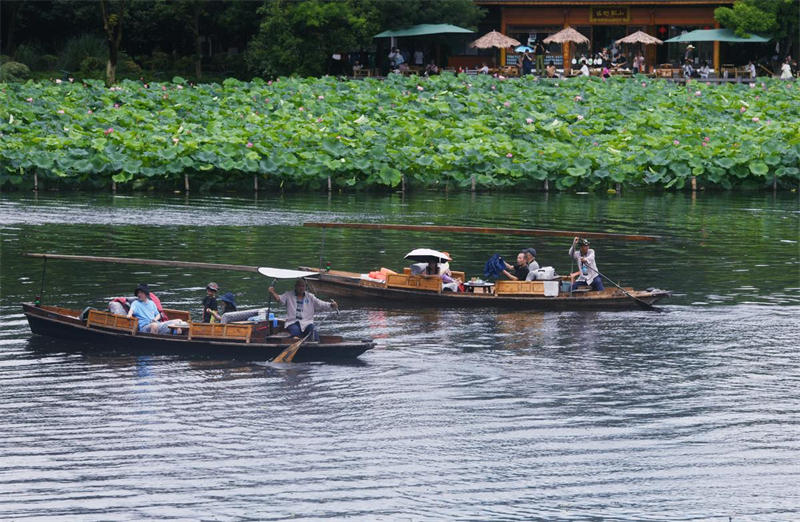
300, 307
587, 266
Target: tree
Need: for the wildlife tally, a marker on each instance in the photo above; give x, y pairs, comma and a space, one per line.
779, 18
300, 36
112, 25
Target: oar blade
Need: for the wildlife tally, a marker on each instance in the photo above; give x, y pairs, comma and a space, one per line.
288, 354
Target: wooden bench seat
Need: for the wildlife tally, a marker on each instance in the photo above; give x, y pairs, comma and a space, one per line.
178, 314
221, 332
519, 288
413, 282
110, 321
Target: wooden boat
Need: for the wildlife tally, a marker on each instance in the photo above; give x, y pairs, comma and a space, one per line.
103, 331
406, 289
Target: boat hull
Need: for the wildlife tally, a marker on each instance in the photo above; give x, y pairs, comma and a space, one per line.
63, 327
344, 287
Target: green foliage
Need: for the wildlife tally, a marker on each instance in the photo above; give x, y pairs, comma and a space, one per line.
779, 18
48, 62
299, 36
14, 72
30, 54
582, 133
93, 68
78, 48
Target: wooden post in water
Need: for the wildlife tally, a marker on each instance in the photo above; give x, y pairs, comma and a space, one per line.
546, 186
113, 187
255, 182
186, 182
36, 182
473, 183
403, 181
619, 188
774, 183
329, 183
694, 183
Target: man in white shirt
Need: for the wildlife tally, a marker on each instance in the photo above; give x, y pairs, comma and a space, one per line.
587, 274
419, 57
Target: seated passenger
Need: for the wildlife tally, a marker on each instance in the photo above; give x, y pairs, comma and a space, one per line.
210, 309
520, 269
146, 312
228, 303
300, 307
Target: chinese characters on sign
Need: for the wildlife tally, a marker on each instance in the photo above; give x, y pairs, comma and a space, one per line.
609, 14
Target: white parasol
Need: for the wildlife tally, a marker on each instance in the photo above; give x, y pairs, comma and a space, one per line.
426, 255
282, 273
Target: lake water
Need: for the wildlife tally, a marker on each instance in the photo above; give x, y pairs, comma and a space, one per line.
691, 414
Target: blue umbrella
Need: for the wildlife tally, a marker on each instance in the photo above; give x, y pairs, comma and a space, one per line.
523, 49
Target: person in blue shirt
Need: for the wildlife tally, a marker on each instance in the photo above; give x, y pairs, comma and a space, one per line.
147, 313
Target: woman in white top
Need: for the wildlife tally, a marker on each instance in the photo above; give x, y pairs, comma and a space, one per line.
786, 70
638, 63
300, 307
584, 69
704, 70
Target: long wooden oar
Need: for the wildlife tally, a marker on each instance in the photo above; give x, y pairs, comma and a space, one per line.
288, 354
485, 230
642, 304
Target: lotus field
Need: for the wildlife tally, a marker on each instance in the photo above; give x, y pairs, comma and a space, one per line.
581, 133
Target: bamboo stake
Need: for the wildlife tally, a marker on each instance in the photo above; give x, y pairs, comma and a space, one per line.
186, 182
151, 262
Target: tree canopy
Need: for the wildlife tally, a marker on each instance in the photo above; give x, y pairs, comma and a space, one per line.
779, 18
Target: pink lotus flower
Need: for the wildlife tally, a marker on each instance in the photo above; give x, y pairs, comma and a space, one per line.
163, 87
71, 80
320, 97
319, 120
556, 85
420, 88
509, 155
146, 86
301, 109
529, 120
249, 145
594, 143
338, 137
60, 111
697, 93
180, 87
108, 131
493, 87
756, 119
578, 98
758, 98
502, 77
506, 104
58, 80
705, 144
708, 83
175, 140
676, 143
580, 117
743, 109
89, 111
29, 100
706, 139
165, 96
768, 122
644, 84
116, 105
269, 82
752, 85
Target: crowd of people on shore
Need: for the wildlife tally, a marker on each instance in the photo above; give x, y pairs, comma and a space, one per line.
607, 62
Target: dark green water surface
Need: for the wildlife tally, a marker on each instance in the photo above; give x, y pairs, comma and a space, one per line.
691, 414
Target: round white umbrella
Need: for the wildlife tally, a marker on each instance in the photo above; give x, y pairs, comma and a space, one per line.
426, 255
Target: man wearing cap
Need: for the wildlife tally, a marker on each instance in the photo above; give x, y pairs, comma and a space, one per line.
587, 266
147, 313
210, 303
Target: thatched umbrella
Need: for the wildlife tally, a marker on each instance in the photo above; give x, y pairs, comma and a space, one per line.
568, 35
494, 40
640, 37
